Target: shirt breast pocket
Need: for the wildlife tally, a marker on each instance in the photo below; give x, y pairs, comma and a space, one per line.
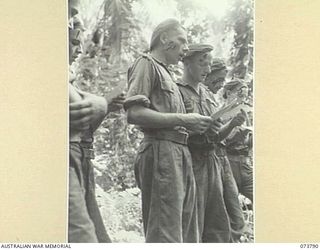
168, 95
167, 86
189, 105
209, 106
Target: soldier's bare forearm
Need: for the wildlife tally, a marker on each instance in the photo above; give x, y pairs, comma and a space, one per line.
149, 118
225, 131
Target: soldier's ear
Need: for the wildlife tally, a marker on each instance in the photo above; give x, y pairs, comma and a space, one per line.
163, 38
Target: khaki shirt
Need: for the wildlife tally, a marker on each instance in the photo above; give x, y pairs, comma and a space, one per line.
239, 141
201, 102
151, 85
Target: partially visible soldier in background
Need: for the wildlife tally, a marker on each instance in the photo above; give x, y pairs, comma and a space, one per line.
219, 213
216, 77
239, 142
86, 112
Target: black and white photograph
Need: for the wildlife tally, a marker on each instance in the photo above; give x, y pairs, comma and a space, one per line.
161, 121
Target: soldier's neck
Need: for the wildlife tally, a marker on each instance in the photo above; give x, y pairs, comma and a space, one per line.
159, 55
188, 79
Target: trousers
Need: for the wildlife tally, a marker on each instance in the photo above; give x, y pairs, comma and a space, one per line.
243, 173
163, 171
220, 217
85, 223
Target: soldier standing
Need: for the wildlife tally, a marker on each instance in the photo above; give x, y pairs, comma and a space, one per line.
86, 112
219, 213
163, 166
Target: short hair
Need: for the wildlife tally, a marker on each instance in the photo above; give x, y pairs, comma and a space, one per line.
167, 25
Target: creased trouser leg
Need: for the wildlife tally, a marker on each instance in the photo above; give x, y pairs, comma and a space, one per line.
219, 213
231, 194
164, 174
81, 228
243, 174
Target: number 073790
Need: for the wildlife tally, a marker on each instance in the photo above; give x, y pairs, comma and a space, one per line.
305, 245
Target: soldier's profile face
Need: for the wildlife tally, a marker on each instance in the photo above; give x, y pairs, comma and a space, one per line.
216, 80
75, 44
199, 66
177, 45
238, 93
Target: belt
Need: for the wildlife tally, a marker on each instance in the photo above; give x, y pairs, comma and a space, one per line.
88, 153
220, 151
87, 149
241, 158
168, 135
239, 152
204, 146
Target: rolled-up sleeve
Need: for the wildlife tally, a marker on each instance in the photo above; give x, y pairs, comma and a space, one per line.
141, 79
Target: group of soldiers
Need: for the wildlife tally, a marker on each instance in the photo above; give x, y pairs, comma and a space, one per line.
190, 166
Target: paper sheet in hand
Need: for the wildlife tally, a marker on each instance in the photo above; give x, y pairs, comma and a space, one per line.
236, 110
240, 108
226, 110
